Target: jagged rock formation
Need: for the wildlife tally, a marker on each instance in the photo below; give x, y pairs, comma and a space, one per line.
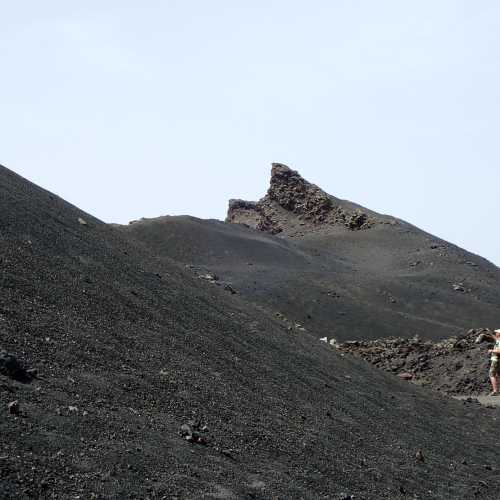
293, 205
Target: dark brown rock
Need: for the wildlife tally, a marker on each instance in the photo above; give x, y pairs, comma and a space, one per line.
14, 408
293, 202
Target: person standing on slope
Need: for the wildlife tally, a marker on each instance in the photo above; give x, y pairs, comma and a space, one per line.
495, 364
495, 361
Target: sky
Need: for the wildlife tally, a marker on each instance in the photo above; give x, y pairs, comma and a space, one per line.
138, 109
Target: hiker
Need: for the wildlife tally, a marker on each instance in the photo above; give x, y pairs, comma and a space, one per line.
495, 364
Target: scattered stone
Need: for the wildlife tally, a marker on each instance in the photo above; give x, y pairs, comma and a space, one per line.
186, 430
190, 431
11, 367
334, 343
209, 277
227, 453
14, 408
405, 376
230, 289
324, 339
459, 287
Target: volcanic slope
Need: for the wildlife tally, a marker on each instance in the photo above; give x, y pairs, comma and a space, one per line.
135, 354
331, 266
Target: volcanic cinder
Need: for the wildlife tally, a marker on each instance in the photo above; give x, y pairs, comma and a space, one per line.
179, 358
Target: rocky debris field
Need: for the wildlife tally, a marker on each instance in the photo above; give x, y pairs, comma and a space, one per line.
455, 366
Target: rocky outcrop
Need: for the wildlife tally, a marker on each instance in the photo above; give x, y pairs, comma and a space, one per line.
292, 202
251, 214
244, 212
298, 196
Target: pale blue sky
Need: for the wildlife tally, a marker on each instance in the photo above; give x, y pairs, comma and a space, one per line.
131, 109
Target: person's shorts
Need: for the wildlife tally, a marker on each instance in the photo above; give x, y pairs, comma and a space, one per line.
495, 368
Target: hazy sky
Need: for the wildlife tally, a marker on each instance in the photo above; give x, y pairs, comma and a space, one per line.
131, 109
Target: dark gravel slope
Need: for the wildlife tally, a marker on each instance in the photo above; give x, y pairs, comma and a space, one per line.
129, 348
387, 278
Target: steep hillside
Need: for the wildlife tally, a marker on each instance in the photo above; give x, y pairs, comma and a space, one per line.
331, 266
148, 382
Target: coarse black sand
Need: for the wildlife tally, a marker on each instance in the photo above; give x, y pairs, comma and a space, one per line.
151, 382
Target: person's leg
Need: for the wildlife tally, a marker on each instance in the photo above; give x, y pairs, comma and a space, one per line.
493, 376
494, 383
